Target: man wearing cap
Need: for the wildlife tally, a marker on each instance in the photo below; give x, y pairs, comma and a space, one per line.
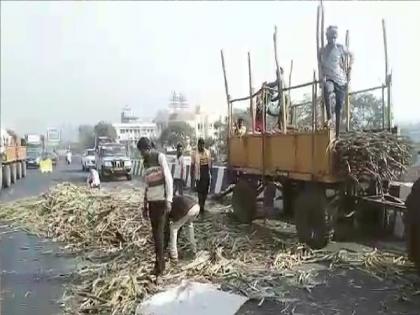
334, 75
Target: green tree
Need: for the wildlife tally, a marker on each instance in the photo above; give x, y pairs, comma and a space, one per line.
105, 129
86, 136
177, 132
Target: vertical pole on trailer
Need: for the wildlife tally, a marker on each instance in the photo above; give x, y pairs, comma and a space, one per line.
313, 102
383, 107
251, 90
348, 84
292, 114
319, 46
228, 103
389, 101
387, 77
280, 84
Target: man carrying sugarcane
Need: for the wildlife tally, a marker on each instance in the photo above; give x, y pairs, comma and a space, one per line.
335, 76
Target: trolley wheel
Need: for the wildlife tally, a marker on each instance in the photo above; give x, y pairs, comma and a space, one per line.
314, 223
244, 201
13, 173
18, 170
289, 198
412, 222
24, 169
7, 176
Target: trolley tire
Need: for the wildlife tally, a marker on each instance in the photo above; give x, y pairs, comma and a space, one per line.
18, 170
289, 199
412, 224
314, 224
7, 176
23, 169
13, 174
244, 201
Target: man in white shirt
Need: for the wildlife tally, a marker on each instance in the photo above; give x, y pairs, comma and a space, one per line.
93, 180
335, 74
179, 171
157, 197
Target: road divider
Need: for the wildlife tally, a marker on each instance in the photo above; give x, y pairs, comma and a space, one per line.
219, 175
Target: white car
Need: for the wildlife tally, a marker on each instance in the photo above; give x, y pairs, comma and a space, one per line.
88, 159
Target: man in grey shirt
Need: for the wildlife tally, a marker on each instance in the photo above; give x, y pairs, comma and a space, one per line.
334, 74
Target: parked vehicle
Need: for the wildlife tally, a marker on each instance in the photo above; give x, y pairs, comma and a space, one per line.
12, 158
88, 159
112, 160
33, 157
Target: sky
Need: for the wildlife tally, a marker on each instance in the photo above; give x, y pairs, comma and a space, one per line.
80, 62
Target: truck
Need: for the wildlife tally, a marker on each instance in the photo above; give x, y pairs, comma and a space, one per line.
12, 158
34, 150
111, 159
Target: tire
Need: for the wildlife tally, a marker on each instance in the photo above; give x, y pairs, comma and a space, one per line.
13, 173
1, 176
314, 224
18, 170
7, 176
412, 225
289, 199
244, 201
23, 169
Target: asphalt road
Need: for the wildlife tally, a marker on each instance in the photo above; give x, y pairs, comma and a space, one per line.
33, 275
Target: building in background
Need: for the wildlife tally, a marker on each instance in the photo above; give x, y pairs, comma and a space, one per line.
179, 110
131, 128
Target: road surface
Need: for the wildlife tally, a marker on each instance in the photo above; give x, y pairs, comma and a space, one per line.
33, 276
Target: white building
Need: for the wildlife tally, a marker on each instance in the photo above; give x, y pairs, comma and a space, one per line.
131, 132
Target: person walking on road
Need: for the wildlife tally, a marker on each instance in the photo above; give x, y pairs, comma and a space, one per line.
335, 76
157, 197
202, 175
68, 157
179, 171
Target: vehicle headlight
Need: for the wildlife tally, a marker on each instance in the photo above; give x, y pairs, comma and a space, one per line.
38, 159
127, 163
108, 164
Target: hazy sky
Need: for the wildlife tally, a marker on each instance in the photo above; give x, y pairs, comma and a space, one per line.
80, 62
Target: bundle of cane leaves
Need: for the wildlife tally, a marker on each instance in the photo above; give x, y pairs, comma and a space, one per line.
378, 155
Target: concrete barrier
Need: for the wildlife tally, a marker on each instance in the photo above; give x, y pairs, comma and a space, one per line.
218, 173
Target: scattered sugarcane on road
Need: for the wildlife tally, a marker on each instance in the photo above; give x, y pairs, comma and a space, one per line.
112, 257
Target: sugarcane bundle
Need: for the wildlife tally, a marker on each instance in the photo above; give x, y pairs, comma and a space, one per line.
375, 155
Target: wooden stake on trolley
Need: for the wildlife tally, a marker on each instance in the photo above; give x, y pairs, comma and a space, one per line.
314, 103
228, 103
387, 76
281, 101
348, 84
292, 114
251, 91
319, 47
383, 107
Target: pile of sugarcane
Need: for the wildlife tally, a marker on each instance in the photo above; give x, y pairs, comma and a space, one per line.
372, 155
116, 241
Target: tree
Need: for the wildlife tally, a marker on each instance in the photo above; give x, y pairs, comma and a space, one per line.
177, 132
86, 136
105, 129
366, 112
